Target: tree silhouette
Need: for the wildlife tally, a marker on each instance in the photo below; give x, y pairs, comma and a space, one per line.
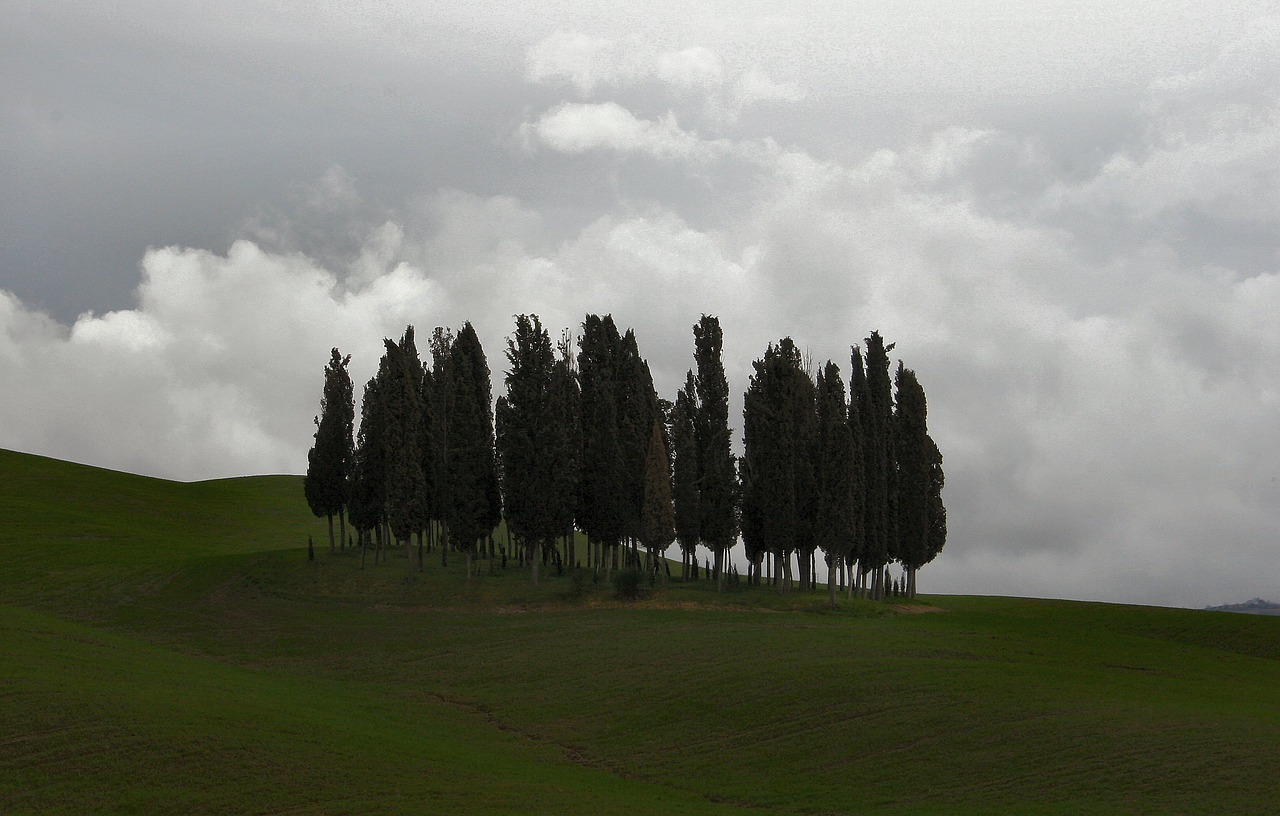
330, 461
402, 442
602, 507
528, 441
834, 522
779, 435
875, 412
684, 444
717, 477
474, 504
368, 488
657, 529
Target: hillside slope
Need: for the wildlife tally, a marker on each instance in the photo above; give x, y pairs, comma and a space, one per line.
168, 648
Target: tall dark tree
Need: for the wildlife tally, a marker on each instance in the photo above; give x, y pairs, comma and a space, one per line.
435, 462
856, 550
369, 481
602, 497
937, 511
717, 479
912, 458
684, 449
474, 504
402, 442
657, 527
920, 515
330, 461
834, 514
779, 435
566, 450
875, 409
637, 411
802, 409
528, 439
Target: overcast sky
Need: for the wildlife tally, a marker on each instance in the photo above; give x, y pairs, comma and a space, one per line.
1064, 213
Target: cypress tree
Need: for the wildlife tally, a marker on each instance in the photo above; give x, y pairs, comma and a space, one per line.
858, 409
330, 461
717, 495
803, 413
368, 489
473, 502
914, 466
657, 529
835, 489
528, 438
937, 531
566, 450
602, 489
435, 466
875, 408
776, 451
406, 487
637, 411
684, 444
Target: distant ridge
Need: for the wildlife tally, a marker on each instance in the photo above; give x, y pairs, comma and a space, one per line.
1257, 606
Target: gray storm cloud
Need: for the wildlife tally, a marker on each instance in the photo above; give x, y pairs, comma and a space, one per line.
1096, 321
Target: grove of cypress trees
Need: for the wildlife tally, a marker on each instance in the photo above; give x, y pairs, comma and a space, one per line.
330, 461
717, 478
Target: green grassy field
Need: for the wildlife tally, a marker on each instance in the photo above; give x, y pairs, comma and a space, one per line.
167, 648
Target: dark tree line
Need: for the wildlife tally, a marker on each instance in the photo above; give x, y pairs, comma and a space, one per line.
582, 443
861, 480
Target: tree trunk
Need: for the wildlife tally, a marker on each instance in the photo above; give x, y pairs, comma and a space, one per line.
831, 583
331, 548
408, 555
719, 569
444, 544
342, 527
537, 547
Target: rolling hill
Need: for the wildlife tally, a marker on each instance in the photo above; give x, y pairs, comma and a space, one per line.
167, 648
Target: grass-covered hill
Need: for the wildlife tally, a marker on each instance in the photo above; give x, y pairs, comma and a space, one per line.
167, 648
